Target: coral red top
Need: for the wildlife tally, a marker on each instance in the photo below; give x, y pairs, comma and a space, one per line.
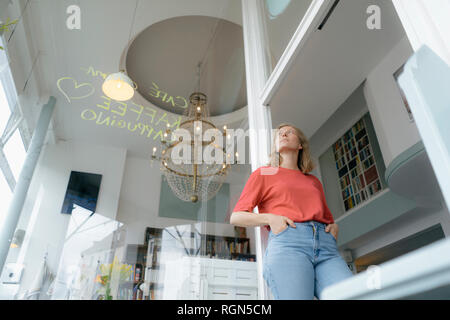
290, 193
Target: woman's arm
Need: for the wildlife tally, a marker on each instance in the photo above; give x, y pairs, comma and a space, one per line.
249, 219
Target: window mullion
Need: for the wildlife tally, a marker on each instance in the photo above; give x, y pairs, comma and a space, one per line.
14, 121
6, 169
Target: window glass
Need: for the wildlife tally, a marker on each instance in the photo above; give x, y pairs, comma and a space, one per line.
282, 19
5, 112
6, 193
15, 153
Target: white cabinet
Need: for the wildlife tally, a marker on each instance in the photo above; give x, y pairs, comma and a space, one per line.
217, 279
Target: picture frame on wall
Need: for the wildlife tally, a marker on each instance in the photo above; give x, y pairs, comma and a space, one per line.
405, 101
82, 191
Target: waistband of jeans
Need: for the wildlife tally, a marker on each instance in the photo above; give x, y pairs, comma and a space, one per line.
311, 223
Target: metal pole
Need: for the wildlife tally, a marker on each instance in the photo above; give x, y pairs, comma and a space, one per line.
24, 181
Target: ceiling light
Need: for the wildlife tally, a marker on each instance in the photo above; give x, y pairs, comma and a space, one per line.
118, 86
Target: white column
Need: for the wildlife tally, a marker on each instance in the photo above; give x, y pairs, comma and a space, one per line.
426, 23
258, 68
24, 180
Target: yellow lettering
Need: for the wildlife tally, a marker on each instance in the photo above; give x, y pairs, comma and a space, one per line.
152, 114
121, 124
104, 121
154, 92
184, 105
134, 129
176, 124
94, 73
93, 114
158, 134
169, 100
164, 96
163, 118
138, 112
144, 128
123, 108
107, 103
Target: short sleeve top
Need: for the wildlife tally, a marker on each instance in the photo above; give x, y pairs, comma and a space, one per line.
287, 192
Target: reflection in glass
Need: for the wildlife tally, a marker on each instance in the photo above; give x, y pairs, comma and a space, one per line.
181, 262
276, 7
15, 153
282, 20
90, 267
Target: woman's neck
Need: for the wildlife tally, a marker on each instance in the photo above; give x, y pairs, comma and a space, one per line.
289, 160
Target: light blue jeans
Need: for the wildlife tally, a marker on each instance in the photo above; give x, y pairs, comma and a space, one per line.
300, 262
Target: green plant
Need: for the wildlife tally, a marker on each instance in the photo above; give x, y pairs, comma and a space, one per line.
122, 271
5, 27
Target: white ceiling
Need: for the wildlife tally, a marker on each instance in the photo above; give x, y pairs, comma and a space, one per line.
66, 56
335, 61
166, 55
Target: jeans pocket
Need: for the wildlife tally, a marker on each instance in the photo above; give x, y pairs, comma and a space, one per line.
278, 234
332, 237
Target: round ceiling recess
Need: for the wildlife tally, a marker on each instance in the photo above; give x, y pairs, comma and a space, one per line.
163, 60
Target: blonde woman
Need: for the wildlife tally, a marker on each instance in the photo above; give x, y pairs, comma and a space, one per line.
301, 258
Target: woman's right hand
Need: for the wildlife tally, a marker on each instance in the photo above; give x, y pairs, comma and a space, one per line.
279, 223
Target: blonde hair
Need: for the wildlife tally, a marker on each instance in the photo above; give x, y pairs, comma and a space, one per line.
304, 161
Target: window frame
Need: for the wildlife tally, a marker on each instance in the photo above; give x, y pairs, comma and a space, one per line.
12, 98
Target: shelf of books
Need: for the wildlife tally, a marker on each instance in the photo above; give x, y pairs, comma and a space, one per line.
355, 162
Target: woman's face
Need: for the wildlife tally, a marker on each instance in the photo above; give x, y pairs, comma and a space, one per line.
287, 139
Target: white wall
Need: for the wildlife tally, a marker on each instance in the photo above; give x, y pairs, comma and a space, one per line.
340, 121
41, 216
394, 130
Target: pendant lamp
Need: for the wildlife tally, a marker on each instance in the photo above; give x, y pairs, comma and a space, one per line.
118, 86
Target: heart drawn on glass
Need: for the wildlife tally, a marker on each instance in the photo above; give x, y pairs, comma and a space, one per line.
80, 89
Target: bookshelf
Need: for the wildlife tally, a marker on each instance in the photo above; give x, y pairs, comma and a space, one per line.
206, 245
355, 163
145, 258
136, 256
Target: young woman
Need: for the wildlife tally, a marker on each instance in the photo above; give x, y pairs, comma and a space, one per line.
301, 258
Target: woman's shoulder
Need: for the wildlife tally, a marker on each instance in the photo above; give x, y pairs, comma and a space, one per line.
266, 170
313, 178
262, 168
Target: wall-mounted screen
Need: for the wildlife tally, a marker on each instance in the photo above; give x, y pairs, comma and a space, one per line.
82, 191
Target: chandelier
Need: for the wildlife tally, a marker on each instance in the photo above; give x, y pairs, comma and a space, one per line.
194, 178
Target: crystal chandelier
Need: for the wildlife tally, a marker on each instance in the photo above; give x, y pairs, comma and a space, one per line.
194, 179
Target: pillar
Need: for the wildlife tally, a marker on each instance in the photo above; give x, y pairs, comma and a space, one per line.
258, 68
24, 180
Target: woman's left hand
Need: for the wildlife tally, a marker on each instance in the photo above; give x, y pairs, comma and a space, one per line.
333, 228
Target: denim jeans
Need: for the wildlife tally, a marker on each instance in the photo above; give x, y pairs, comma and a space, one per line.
300, 262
